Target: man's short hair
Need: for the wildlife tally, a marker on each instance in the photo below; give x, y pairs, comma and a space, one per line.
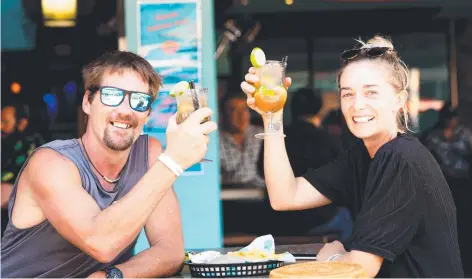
223, 106
231, 96
306, 102
117, 62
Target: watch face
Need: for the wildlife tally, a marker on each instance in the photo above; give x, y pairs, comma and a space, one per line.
114, 272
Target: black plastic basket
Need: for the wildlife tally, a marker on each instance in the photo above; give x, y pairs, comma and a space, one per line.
233, 270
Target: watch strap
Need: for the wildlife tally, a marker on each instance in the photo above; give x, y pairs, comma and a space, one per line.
113, 272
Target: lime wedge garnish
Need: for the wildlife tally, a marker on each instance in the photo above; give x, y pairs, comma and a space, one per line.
179, 88
257, 57
266, 91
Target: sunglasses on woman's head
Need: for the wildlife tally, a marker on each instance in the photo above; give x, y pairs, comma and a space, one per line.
368, 52
113, 97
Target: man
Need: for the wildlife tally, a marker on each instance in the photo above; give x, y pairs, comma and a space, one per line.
79, 205
239, 149
451, 144
18, 143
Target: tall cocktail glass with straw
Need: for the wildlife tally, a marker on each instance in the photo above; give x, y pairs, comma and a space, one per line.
271, 95
189, 99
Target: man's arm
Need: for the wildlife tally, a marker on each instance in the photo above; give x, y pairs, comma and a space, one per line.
77, 217
166, 254
103, 234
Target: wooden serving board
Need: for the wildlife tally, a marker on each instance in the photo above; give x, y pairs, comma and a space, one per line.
319, 270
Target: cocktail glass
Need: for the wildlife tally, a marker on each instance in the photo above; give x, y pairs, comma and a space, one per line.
271, 95
188, 102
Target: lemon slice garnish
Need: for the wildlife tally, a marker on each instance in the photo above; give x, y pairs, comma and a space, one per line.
179, 88
257, 57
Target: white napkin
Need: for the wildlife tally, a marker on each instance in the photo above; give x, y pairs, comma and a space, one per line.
263, 243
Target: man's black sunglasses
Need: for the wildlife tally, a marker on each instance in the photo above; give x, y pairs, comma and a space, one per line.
368, 52
113, 97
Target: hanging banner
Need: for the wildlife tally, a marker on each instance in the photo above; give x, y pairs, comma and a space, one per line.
169, 37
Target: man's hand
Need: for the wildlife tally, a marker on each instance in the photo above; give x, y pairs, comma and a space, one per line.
330, 249
187, 143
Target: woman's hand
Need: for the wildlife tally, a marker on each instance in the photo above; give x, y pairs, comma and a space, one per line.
330, 249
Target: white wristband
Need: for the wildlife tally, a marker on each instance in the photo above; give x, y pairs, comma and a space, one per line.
332, 258
171, 164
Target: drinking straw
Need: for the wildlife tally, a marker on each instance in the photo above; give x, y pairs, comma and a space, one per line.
284, 65
284, 61
193, 91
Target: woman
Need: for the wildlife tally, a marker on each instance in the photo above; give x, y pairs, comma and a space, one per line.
404, 214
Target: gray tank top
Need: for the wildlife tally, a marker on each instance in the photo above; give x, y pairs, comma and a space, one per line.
41, 251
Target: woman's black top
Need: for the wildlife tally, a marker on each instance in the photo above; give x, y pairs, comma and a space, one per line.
401, 204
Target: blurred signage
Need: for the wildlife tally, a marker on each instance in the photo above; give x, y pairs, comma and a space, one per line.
18, 31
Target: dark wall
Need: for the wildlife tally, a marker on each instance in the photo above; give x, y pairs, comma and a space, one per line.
58, 58
464, 70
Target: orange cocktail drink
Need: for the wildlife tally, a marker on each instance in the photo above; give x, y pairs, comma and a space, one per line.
271, 95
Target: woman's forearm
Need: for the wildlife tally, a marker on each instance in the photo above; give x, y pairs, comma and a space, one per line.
280, 180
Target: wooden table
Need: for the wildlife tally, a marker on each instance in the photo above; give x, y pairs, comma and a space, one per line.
228, 194
296, 249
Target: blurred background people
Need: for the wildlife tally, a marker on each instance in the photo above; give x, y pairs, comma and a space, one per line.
334, 123
451, 144
239, 149
18, 142
308, 145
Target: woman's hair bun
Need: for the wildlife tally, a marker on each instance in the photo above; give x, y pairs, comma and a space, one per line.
380, 41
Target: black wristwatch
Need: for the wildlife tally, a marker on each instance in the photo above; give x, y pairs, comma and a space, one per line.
113, 272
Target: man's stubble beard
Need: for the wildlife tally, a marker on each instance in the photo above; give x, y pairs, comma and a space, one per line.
120, 145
